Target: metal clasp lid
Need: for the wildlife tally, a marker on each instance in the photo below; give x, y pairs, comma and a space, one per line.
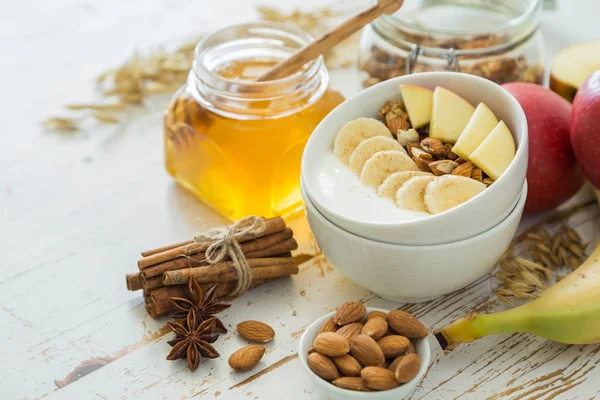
416, 51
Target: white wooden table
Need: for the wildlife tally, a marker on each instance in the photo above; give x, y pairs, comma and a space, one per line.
75, 210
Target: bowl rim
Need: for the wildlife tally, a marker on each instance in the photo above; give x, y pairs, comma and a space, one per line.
521, 152
441, 246
425, 361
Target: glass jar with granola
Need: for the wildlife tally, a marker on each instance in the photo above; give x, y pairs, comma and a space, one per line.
498, 40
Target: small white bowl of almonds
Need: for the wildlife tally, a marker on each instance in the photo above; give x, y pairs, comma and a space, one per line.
365, 353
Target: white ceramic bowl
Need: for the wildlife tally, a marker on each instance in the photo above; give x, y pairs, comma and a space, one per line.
413, 274
322, 180
333, 392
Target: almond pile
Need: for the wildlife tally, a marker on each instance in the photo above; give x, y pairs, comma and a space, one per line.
247, 357
361, 352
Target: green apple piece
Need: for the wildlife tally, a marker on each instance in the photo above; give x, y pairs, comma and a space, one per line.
450, 116
419, 103
479, 127
496, 152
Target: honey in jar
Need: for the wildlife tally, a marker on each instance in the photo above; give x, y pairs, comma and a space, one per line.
235, 142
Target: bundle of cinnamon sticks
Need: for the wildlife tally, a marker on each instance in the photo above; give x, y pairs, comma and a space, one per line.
165, 272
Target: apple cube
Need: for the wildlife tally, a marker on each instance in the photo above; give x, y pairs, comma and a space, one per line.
479, 127
450, 116
419, 103
572, 65
496, 152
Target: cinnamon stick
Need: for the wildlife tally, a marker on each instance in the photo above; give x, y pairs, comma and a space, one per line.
230, 274
165, 248
151, 283
133, 281
272, 226
152, 310
283, 246
262, 247
186, 242
203, 274
159, 299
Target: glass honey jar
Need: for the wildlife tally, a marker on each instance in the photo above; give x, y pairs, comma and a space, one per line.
235, 142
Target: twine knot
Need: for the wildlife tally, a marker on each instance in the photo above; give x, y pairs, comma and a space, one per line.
224, 242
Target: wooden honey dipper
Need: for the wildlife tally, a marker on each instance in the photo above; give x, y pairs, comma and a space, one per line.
329, 39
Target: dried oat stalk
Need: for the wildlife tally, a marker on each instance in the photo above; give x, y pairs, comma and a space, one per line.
138, 78
165, 71
536, 258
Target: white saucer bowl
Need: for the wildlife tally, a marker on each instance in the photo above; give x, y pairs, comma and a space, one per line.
467, 220
413, 274
333, 392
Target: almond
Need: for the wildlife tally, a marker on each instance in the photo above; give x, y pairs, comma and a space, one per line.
378, 378
407, 368
434, 147
329, 326
347, 365
408, 136
256, 331
322, 366
393, 345
246, 358
411, 347
477, 174
393, 364
464, 169
366, 350
351, 384
423, 161
375, 327
373, 314
351, 311
406, 325
396, 123
349, 331
415, 150
442, 167
331, 344
449, 154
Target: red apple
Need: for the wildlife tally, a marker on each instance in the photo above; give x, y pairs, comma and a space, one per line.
552, 173
585, 128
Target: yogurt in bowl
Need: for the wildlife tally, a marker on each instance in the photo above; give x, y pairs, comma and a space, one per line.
350, 200
361, 202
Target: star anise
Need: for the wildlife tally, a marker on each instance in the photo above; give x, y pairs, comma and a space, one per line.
202, 304
193, 340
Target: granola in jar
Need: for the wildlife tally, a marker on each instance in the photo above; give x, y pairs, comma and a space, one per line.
500, 42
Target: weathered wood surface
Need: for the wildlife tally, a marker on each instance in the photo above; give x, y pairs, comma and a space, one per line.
75, 210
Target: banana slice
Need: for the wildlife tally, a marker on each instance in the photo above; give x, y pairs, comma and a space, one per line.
410, 195
393, 182
383, 164
449, 191
370, 146
354, 132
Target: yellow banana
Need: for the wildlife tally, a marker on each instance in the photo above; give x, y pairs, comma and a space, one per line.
568, 312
